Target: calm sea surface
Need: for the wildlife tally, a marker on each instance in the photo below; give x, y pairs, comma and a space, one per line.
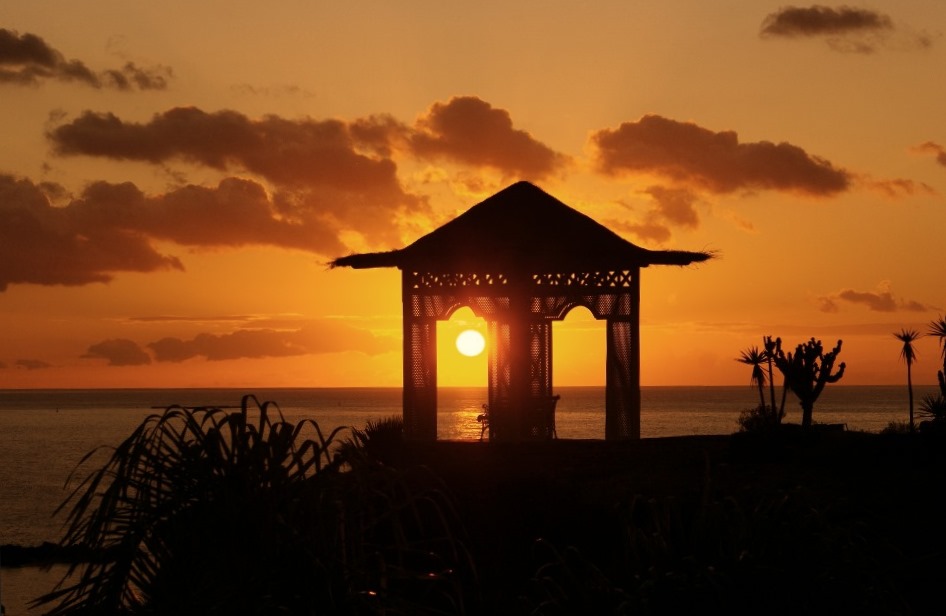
44, 433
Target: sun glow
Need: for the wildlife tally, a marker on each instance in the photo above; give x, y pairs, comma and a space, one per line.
470, 343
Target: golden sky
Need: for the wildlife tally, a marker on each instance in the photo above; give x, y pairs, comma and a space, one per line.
174, 177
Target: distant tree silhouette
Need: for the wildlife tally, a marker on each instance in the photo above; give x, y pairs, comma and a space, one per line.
755, 358
938, 329
908, 353
807, 371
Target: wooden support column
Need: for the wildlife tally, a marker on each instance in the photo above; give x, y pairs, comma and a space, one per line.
623, 373
420, 372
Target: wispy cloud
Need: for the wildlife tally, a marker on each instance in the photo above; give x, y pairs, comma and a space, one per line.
275, 337
32, 364
167, 318
934, 149
314, 338
118, 352
717, 162
878, 300
845, 29
26, 59
672, 207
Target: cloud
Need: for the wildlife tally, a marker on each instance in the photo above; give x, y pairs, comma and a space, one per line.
28, 60
164, 318
898, 187
32, 364
41, 244
881, 300
325, 171
821, 20
845, 29
649, 229
327, 176
717, 162
471, 131
316, 337
111, 228
675, 206
671, 207
286, 152
273, 91
118, 352
934, 149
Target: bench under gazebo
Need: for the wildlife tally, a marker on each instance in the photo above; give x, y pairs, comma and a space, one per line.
520, 260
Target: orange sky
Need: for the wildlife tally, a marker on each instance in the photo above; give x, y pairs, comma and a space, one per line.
174, 177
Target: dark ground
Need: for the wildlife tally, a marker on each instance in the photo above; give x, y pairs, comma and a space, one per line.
784, 522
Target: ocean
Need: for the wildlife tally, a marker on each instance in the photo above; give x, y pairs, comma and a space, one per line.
44, 433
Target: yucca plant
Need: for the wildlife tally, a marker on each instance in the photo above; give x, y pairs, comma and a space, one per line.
205, 511
755, 358
933, 408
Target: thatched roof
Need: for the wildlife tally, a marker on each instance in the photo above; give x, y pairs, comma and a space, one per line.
520, 228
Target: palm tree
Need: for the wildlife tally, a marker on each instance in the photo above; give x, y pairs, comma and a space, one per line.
755, 358
938, 329
908, 353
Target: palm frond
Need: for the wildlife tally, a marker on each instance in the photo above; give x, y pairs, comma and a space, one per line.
937, 328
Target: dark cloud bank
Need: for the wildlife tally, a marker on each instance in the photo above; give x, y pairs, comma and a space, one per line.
303, 184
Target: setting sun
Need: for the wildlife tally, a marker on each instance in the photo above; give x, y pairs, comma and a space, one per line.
470, 343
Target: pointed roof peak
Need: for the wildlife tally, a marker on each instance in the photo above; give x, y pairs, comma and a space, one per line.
521, 228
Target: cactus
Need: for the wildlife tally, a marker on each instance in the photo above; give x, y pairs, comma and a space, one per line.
807, 371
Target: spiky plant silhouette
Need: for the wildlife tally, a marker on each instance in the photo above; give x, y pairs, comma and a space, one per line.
807, 371
206, 511
755, 358
937, 328
908, 355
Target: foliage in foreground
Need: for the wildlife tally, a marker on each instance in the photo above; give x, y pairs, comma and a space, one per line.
933, 410
760, 419
204, 511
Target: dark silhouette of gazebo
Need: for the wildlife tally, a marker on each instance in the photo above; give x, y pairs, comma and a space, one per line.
520, 260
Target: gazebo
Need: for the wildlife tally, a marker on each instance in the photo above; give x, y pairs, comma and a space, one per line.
520, 260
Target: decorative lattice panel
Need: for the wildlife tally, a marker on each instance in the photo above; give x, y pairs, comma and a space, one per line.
420, 379
622, 396
540, 359
519, 311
